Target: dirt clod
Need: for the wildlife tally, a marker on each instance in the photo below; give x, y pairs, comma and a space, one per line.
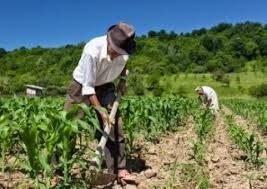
150, 173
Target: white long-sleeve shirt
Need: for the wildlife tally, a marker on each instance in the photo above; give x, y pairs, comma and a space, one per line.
95, 66
211, 95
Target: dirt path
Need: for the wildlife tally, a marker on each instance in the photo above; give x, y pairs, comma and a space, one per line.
225, 172
161, 158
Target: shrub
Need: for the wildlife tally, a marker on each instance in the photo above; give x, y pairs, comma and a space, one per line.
181, 91
53, 90
139, 89
218, 75
259, 90
157, 91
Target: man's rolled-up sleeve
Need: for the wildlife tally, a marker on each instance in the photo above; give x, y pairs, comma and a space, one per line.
89, 69
88, 90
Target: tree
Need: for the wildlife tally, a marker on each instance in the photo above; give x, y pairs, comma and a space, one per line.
198, 55
247, 29
212, 43
199, 32
262, 44
222, 62
162, 34
221, 27
2, 52
152, 34
251, 50
172, 35
238, 47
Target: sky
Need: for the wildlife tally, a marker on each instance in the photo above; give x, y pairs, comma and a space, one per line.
55, 23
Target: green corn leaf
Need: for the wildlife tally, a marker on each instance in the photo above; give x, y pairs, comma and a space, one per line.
45, 164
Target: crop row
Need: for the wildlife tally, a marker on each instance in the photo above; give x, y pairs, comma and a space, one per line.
255, 111
33, 130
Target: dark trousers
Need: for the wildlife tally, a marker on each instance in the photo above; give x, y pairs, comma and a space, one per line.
115, 147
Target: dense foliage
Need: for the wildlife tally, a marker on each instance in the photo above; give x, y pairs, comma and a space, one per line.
223, 48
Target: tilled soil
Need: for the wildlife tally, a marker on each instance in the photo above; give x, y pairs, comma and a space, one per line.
257, 176
160, 159
225, 170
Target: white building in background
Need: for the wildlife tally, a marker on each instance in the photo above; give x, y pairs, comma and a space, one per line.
33, 90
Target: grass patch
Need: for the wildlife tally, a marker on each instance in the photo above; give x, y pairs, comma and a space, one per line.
184, 84
193, 176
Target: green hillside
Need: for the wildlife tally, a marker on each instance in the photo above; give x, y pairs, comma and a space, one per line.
223, 56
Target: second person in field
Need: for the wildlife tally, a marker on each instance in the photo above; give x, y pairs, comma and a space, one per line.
208, 97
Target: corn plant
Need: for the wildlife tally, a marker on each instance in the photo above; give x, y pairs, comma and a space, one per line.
198, 152
5, 138
204, 120
255, 111
40, 128
204, 126
36, 130
252, 147
152, 117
